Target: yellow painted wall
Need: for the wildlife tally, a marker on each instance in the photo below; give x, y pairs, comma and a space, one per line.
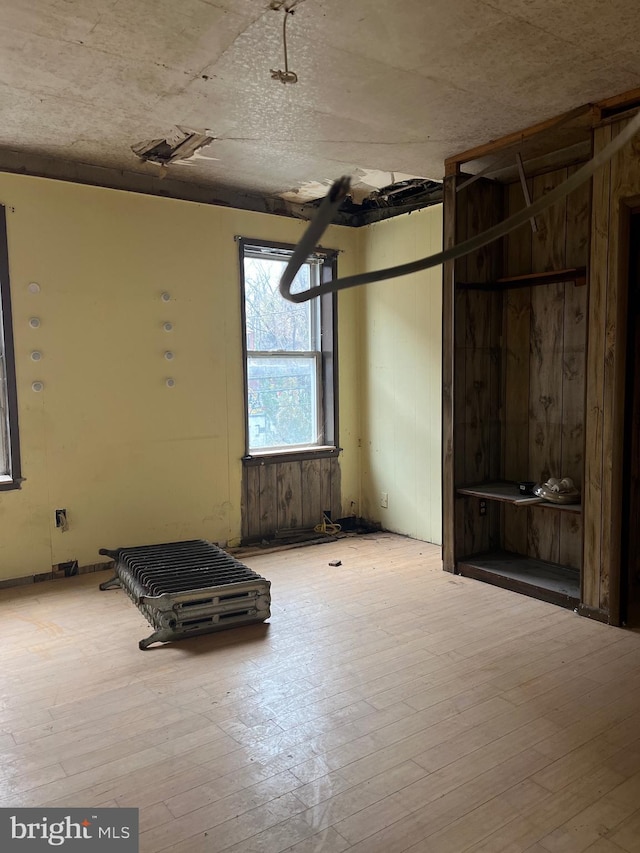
130, 459
401, 378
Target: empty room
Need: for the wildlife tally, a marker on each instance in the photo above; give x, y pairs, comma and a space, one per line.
319, 419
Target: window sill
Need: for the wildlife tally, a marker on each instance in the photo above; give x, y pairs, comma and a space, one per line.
8, 483
298, 454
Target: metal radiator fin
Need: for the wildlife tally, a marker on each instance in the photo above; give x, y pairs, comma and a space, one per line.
189, 588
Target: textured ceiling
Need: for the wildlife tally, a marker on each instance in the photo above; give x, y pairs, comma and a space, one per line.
384, 86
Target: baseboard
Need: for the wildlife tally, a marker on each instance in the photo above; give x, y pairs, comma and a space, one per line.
594, 613
55, 574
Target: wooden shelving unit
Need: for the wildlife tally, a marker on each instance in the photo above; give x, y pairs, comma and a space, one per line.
509, 493
518, 378
536, 578
514, 343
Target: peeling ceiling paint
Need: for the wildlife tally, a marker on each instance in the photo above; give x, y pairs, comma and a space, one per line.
309, 191
384, 88
364, 183
177, 147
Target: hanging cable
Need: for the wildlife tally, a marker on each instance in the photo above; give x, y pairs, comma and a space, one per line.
285, 76
340, 188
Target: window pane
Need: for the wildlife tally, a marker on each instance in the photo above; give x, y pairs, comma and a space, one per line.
282, 401
4, 431
4, 414
9, 447
273, 323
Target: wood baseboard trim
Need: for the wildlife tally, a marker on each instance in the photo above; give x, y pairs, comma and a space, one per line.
54, 574
594, 613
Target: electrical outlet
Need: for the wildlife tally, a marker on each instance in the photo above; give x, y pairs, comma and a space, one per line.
384, 499
483, 507
61, 519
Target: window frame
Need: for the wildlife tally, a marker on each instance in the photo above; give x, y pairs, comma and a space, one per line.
13, 479
328, 360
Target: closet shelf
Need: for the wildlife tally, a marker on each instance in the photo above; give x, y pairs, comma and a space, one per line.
508, 493
578, 275
538, 578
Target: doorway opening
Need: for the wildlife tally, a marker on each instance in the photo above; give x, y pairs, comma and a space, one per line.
630, 568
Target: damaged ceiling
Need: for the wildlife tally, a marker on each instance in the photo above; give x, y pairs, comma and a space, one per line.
184, 99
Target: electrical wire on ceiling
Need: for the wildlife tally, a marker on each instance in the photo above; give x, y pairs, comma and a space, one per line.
288, 6
340, 189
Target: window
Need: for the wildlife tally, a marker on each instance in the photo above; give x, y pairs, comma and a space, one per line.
290, 357
9, 449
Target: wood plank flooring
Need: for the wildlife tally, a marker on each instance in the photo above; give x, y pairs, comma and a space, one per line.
388, 707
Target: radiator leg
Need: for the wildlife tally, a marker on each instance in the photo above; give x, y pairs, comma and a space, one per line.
111, 583
159, 636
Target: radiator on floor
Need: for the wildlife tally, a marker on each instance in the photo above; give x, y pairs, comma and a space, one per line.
188, 588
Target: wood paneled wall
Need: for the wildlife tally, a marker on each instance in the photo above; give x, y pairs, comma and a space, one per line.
563, 374
449, 450
288, 496
544, 367
517, 373
545, 339
472, 368
616, 188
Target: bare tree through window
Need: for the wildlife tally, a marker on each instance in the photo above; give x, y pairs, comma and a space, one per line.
284, 355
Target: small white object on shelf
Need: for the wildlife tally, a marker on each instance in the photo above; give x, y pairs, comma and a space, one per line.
558, 491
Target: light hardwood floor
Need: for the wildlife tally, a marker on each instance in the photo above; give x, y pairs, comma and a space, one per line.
388, 706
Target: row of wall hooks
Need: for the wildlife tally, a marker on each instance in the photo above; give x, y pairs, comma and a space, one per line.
168, 327
34, 323
36, 355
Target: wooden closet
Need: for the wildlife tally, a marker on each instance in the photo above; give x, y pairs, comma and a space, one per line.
535, 363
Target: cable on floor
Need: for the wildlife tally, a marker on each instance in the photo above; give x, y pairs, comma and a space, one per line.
327, 526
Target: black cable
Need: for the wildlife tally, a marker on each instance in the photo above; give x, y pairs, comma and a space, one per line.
330, 203
340, 188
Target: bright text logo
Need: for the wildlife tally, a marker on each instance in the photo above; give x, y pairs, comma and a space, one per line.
72, 830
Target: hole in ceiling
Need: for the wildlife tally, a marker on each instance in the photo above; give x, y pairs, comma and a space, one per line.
373, 195
174, 148
392, 200
399, 193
